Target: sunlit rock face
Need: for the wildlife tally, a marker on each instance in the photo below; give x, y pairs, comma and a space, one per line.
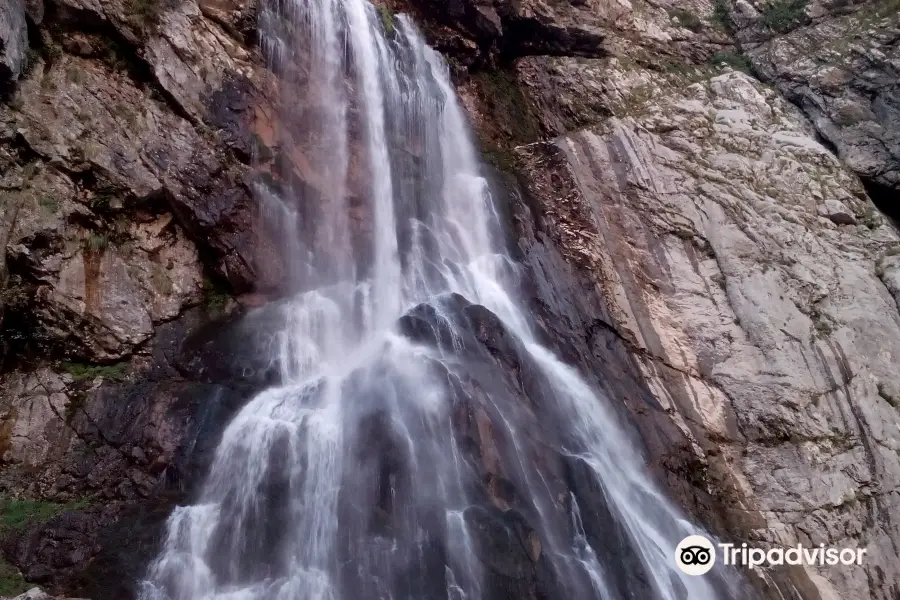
745, 270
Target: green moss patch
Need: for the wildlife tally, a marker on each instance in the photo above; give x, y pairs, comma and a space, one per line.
783, 15
509, 105
16, 515
215, 297
512, 119
11, 581
387, 19
88, 372
738, 62
721, 16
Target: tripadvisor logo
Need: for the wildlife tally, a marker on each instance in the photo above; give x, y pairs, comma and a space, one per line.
696, 555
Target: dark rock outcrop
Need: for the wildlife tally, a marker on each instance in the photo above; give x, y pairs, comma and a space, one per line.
498, 390
513, 29
127, 444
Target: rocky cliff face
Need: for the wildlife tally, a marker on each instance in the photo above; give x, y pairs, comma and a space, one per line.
733, 259
128, 219
717, 232
689, 186
838, 62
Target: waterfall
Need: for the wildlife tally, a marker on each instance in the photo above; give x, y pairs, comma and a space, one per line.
351, 479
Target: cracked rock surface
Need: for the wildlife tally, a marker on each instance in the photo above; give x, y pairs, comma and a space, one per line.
840, 62
755, 286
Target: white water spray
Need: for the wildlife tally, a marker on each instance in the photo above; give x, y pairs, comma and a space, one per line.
348, 480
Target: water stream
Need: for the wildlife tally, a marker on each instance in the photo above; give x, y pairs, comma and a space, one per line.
350, 479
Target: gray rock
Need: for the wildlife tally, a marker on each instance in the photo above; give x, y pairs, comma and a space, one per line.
888, 270
837, 212
843, 72
103, 287
13, 39
35, 10
192, 56
34, 593
103, 124
37, 593
763, 330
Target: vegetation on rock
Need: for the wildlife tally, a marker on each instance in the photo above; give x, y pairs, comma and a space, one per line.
96, 242
514, 122
11, 581
18, 514
721, 16
783, 15
502, 90
215, 297
736, 61
15, 515
87, 372
144, 13
387, 19
686, 18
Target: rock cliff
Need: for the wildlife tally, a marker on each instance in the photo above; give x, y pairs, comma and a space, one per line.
837, 61
689, 185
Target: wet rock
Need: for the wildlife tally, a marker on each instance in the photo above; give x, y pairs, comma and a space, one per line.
604, 530
63, 543
514, 566
516, 29
496, 338
232, 110
425, 324
236, 350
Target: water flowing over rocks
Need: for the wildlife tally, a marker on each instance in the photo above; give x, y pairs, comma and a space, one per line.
13, 39
701, 246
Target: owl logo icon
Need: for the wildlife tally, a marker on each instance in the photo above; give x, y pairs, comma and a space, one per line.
695, 555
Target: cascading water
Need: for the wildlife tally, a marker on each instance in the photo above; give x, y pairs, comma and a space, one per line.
353, 479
